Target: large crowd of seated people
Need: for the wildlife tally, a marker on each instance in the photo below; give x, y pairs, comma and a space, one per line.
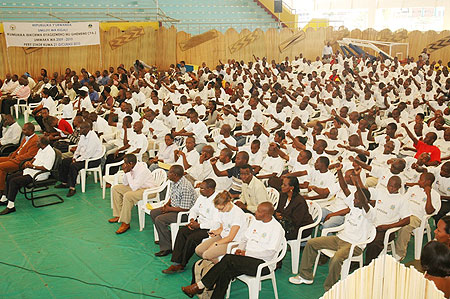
365, 138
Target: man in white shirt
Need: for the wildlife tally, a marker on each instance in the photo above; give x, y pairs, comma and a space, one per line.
223, 163
201, 219
322, 184
88, 147
392, 210
422, 200
358, 224
196, 128
166, 153
260, 243
187, 156
11, 130
327, 50
100, 125
442, 186
43, 161
84, 101
137, 178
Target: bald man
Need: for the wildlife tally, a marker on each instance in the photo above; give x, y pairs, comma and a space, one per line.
28, 149
261, 242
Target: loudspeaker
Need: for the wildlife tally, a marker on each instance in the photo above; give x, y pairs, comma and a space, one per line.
278, 6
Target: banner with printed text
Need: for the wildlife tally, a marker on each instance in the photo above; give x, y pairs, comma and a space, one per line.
51, 34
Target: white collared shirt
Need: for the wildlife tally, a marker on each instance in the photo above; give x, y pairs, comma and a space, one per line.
140, 177
11, 134
88, 147
44, 157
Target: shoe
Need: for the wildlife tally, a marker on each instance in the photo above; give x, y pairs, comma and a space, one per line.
173, 269
398, 258
163, 253
323, 259
299, 280
123, 228
7, 211
61, 186
71, 193
3, 203
157, 242
191, 290
114, 220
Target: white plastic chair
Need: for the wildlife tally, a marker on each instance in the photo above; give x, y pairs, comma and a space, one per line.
160, 177
21, 103
254, 282
175, 227
274, 196
418, 233
346, 264
316, 213
28, 109
389, 245
110, 178
96, 170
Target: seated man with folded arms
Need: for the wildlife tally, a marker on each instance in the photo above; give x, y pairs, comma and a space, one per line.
358, 223
253, 191
11, 130
43, 161
202, 217
88, 147
422, 200
181, 198
260, 244
272, 165
391, 210
137, 178
322, 184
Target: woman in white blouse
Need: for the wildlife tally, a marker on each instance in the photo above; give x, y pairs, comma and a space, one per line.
232, 223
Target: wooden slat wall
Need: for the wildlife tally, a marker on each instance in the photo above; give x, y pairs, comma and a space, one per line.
161, 47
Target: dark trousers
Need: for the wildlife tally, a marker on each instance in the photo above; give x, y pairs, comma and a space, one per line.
162, 221
185, 244
14, 182
40, 120
111, 159
374, 249
68, 171
231, 266
445, 208
7, 104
